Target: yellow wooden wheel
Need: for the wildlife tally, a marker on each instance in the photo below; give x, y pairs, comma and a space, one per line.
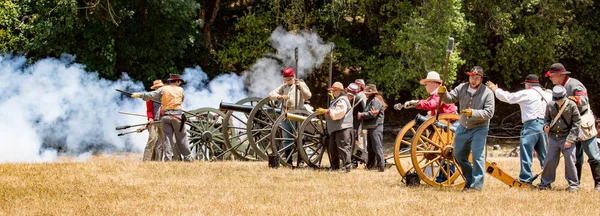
432, 152
402, 157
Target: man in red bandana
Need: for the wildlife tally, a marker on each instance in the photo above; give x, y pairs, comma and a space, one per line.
586, 141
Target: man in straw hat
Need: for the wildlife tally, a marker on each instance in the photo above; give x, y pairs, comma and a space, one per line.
359, 149
173, 120
586, 141
339, 126
562, 136
533, 102
431, 83
153, 151
287, 93
476, 103
373, 117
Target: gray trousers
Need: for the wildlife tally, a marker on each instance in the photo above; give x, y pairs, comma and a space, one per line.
176, 137
340, 147
375, 147
555, 147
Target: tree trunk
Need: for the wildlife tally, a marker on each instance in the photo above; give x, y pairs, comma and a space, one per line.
208, 14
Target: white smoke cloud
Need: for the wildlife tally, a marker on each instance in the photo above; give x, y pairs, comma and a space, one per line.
265, 75
55, 104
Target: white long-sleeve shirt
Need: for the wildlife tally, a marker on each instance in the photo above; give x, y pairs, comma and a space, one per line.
531, 103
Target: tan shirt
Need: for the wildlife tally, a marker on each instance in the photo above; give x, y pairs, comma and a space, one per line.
290, 91
171, 97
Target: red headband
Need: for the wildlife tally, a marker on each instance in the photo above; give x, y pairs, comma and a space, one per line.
532, 81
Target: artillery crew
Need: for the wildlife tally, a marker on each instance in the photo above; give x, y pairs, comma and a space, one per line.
339, 126
533, 102
562, 125
359, 149
432, 82
373, 117
173, 120
153, 151
586, 141
476, 103
287, 92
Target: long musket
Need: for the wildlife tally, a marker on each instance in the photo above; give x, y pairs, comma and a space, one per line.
330, 71
129, 94
133, 114
448, 52
135, 125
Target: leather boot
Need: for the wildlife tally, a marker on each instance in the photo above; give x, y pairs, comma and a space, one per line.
595, 167
578, 167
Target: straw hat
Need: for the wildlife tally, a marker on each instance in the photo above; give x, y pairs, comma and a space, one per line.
157, 84
431, 76
336, 86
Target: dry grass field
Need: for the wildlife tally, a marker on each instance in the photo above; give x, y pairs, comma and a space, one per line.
122, 185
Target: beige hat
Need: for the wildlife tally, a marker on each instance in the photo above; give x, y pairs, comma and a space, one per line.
336, 86
431, 76
157, 84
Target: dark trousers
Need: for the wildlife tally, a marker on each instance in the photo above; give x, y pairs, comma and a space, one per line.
340, 147
375, 147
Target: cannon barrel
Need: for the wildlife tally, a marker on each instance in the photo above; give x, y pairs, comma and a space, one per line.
240, 108
235, 107
298, 118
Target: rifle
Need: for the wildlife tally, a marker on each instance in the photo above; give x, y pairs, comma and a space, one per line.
135, 125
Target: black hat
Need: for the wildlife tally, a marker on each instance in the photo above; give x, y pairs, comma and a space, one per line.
532, 79
175, 77
556, 68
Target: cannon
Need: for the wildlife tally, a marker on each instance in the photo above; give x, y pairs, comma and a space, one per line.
234, 133
206, 136
259, 120
284, 135
426, 146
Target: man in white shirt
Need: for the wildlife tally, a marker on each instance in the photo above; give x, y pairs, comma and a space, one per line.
533, 101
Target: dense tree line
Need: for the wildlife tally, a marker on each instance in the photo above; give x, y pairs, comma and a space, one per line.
392, 43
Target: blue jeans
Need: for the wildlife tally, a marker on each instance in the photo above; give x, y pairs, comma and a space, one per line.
465, 142
532, 139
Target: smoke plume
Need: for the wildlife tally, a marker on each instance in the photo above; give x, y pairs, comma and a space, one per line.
55, 107
265, 75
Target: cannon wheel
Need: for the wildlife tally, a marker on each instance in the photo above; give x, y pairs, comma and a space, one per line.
402, 157
260, 122
433, 146
206, 136
277, 139
235, 133
312, 141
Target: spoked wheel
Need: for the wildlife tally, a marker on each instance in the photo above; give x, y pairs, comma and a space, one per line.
260, 122
432, 153
206, 136
313, 140
235, 133
284, 136
402, 156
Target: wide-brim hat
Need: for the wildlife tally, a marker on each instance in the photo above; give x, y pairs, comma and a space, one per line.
556, 68
558, 93
371, 89
531, 79
157, 84
175, 77
336, 86
431, 76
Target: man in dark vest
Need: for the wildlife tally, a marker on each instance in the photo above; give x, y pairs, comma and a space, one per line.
339, 126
